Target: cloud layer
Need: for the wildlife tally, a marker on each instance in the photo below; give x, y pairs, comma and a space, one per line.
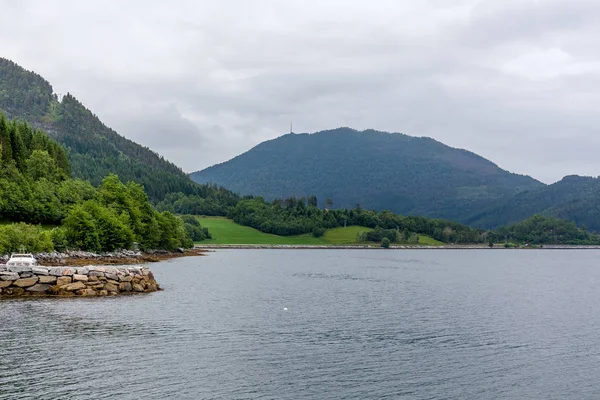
516, 81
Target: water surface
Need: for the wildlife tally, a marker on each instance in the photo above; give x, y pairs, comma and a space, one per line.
321, 324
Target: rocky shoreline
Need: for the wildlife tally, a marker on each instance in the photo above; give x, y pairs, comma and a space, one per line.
18, 281
121, 257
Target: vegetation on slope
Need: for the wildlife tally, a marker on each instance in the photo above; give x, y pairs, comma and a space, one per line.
94, 150
545, 230
300, 216
35, 187
574, 198
404, 174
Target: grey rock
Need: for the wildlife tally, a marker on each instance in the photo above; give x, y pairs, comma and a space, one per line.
47, 279
78, 277
39, 270
38, 288
9, 276
18, 268
96, 273
82, 270
125, 278
111, 276
26, 282
56, 271
25, 274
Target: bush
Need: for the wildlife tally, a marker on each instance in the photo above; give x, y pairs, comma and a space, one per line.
385, 243
59, 239
32, 237
318, 232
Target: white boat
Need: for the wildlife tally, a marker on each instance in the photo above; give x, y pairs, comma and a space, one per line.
22, 260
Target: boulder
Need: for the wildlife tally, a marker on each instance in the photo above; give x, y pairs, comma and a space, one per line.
9, 276
40, 270
125, 287
79, 277
39, 288
68, 272
18, 269
111, 288
56, 271
26, 282
74, 286
137, 287
103, 293
4, 284
95, 273
125, 278
82, 270
63, 280
47, 279
111, 276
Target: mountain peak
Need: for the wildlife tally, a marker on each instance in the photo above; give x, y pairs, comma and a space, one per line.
380, 170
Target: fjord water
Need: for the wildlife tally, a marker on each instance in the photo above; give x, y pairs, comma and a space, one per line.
321, 324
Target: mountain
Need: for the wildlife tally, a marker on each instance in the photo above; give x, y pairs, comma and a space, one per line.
379, 170
574, 198
94, 149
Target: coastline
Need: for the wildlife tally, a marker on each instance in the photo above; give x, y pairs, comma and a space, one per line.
125, 257
211, 247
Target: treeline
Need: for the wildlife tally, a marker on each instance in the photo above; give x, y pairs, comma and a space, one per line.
299, 216
544, 230
209, 200
35, 188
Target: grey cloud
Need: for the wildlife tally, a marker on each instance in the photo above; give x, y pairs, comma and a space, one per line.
200, 82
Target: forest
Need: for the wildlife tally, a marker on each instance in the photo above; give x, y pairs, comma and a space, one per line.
36, 188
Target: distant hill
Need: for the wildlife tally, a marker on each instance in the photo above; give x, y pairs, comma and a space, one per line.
94, 149
392, 171
574, 198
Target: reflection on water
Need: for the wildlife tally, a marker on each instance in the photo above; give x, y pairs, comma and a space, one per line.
323, 324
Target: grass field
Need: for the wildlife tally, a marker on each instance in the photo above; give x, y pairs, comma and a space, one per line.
225, 231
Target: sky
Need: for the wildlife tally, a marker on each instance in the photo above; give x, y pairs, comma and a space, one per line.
199, 82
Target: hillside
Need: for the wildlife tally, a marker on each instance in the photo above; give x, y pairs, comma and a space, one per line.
35, 188
573, 198
378, 170
94, 149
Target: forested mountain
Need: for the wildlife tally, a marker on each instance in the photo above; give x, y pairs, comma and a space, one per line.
378, 170
574, 198
94, 149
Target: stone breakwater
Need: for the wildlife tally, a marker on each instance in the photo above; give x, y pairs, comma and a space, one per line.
80, 281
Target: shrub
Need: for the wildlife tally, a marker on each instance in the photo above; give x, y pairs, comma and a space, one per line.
318, 232
385, 243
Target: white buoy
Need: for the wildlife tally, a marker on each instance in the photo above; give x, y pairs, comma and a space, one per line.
284, 308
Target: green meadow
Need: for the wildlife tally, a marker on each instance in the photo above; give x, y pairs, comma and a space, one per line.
225, 231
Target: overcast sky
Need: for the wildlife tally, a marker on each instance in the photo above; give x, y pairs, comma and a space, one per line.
516, 81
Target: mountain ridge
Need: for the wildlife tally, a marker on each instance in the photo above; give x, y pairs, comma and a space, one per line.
95, 150
383, 160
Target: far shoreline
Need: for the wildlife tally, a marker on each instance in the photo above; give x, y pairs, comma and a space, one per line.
211, 247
